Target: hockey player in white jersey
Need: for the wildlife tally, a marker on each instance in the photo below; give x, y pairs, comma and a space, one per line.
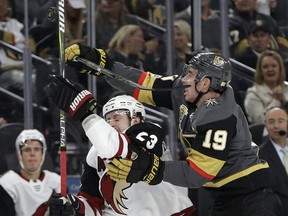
28, 191
120, 134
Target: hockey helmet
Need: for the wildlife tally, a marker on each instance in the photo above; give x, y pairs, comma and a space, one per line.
213, 65
124, 102
29, 134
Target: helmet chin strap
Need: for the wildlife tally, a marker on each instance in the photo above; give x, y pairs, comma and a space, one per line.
200, 94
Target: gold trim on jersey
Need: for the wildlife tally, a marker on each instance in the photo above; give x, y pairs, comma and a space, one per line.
183, 111
184, 139
144, 95
203, 162
237, 175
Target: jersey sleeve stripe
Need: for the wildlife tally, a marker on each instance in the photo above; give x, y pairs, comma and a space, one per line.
120, 149
199, 162
200, 171
146, 96
140, 82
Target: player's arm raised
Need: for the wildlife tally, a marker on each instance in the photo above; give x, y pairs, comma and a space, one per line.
79, 103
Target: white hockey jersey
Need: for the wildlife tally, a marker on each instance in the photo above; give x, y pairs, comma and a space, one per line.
122, 198
30, 197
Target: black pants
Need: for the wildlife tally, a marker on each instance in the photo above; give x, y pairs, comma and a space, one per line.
259, 203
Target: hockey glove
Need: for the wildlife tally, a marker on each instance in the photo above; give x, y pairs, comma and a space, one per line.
71, 97
64, 206
145, 166
97, 56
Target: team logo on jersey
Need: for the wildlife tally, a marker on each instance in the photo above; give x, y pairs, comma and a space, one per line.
113, 193
183, 110
211, 101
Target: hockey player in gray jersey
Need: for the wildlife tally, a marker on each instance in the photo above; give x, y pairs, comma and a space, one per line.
212, 129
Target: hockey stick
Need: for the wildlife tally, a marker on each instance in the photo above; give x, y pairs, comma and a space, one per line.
63, 154
113, 75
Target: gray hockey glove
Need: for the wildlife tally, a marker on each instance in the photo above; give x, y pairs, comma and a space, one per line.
98, 56
71, 97
69, 205
145, 166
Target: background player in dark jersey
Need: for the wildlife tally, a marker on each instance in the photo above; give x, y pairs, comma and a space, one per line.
212, 129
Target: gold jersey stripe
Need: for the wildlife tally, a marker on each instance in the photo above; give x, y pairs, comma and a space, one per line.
144, 95
237, 175
203, 162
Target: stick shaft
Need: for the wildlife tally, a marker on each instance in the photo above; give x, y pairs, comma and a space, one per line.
63, 154
109, 73
113, 75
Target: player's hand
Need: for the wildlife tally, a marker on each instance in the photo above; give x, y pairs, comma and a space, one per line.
71, 97
97, 56
145, 166
69, 205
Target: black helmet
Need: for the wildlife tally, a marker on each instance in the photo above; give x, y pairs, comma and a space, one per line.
212, 65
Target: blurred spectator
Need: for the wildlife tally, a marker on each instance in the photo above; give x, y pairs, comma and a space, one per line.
240, 19
154, 10
182, 43
127, 45
27, 191
110, 16
266, 6
280, 13
259, 41
45, 32
74, 15
35, 8
210, 20
10, 28
2, 121
276, 125
11, 73
155, 55
150, 10
269, 88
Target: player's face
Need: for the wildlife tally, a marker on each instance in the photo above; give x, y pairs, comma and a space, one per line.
276, 120
189, 79
32, 155
118, 119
